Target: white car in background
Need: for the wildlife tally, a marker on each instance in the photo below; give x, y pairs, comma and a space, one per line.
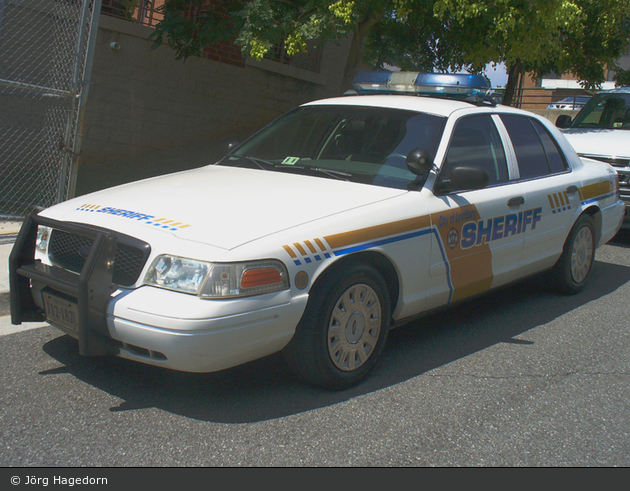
601, 131
340, 220
572, 103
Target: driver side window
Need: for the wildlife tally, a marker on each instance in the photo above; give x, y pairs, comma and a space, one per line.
475, 142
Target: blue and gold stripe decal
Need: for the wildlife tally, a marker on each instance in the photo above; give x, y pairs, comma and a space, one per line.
468, 262
308, 251
478, 265
318, 249
145, 219
559, 202
598, 191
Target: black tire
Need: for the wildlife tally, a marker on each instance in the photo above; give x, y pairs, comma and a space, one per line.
343, 329
573, 269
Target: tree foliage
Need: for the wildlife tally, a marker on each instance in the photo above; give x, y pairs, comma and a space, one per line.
597, 44
583, 37
188, 27
413, 38
258, 25
538, 36
622, 76
266, 23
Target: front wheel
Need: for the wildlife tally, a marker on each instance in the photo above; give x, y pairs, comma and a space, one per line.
343, 329
574, 266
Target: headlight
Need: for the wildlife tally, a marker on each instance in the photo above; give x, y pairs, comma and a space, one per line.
217, 280
177, 273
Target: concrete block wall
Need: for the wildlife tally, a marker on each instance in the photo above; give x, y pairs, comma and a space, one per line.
142, 101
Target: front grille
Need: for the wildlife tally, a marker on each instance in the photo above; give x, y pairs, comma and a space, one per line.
69, 251
614, 161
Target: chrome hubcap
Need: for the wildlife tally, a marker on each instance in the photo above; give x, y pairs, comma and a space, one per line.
354, 327
582, 254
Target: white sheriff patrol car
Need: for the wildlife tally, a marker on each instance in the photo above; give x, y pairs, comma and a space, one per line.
340, 220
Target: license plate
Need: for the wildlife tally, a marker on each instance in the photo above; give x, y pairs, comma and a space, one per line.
61, 312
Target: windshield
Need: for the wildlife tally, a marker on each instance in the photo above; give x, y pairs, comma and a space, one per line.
611, 110
360, 144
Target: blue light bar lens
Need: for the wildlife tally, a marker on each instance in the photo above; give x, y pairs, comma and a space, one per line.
463, 80
448, 84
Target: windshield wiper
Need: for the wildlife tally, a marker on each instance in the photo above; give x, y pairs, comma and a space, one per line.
337, 174
261, 163
231, 160
268, 164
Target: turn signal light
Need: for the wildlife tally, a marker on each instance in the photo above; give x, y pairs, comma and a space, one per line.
258, 277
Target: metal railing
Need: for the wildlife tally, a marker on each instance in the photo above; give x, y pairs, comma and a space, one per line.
144, 12
540, 99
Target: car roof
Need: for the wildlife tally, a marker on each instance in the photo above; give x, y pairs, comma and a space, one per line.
616, 90
431, 105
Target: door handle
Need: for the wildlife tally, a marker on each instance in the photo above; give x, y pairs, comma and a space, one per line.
519, 200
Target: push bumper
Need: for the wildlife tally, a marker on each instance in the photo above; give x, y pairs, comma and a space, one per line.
89, 291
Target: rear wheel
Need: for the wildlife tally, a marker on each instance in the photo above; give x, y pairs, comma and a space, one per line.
573, 269
343, 329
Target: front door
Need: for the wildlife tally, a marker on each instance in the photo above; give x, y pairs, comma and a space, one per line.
478, 236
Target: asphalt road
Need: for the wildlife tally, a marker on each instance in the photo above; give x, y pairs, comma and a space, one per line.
521, 377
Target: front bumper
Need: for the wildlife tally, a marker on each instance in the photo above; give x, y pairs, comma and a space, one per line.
147, 324
622, 167
613, 217
190, 334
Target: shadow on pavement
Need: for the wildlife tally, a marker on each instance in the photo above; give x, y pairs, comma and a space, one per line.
622, 239
8, 239
264, 389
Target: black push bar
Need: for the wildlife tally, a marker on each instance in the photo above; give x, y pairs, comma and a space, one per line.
92, 287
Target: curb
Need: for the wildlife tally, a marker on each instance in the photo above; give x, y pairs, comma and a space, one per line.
5, 307
8, 234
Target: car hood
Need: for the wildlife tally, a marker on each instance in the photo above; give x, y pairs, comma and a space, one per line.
220, 206
603, 142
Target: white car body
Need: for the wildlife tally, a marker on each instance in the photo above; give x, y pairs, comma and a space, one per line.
609, 143
439, 249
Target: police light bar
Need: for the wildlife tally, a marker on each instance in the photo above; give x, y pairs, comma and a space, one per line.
436, 84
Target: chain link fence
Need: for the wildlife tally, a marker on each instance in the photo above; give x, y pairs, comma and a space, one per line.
44, 59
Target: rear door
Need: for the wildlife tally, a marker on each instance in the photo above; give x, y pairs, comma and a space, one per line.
550, 191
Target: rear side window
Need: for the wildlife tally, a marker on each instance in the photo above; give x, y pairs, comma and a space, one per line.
536, 151
555, 157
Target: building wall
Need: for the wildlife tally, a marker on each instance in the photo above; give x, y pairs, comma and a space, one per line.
539, 92
142, 101
535, 97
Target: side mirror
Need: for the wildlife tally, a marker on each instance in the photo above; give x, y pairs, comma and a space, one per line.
419, 161
563, 121
463, 178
